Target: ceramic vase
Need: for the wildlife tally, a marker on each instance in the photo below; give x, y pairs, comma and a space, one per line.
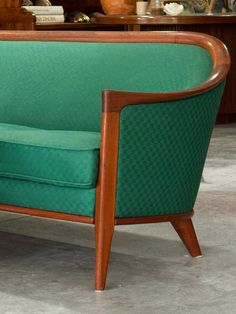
118, 7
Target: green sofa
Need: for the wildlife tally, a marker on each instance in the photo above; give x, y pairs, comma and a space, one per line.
134, 155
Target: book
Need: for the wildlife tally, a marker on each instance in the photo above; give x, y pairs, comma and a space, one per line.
53, 18
45, 9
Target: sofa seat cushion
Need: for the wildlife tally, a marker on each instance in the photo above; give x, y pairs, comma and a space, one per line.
58, 157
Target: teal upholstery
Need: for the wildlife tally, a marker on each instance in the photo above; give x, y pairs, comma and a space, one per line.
54, 170
56, 85
162, 150
50, 119
46, 196
66, 158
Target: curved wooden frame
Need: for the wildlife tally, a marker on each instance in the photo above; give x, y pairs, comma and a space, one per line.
112, 104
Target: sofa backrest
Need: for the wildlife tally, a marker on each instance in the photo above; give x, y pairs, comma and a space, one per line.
58, 85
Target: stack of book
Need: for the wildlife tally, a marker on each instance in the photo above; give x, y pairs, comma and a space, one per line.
47, 14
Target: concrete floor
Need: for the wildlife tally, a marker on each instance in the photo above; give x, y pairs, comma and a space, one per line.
47, 266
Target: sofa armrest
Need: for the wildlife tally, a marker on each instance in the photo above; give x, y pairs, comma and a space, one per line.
113, 103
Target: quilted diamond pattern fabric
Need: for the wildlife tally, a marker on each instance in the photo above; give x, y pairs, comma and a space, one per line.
66, 158
48, 197
162, 149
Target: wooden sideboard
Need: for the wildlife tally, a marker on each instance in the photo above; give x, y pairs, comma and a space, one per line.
13, 17
218, 25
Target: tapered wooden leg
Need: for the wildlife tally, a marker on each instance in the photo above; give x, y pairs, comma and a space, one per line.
187, 234
103, 235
